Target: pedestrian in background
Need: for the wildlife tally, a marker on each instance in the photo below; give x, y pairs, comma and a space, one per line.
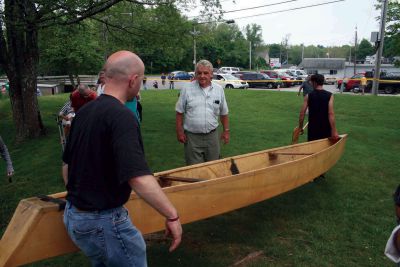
306, 86
101, 81
363, 84
145, 83
163, 77
171, 81
81, 96
343, 85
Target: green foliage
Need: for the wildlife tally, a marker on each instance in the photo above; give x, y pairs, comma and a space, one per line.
342, 220
70, 50
253, 33
392, 38
393, 18
274, 50
364, 49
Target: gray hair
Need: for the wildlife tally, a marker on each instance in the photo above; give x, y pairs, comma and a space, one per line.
205, 63
82, 88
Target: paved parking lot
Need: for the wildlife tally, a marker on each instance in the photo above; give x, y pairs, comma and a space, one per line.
178, 84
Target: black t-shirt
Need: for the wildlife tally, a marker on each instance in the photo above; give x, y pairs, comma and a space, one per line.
104, 151
318, 115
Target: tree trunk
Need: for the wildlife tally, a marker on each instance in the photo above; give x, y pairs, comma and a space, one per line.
72, 80
22, 58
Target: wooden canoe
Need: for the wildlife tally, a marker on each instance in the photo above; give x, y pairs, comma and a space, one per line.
36, 230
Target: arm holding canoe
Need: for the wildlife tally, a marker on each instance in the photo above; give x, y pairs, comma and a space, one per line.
331, 112
302, 113
147, 188
64, 172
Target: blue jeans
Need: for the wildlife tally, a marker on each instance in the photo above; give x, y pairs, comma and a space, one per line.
107, 237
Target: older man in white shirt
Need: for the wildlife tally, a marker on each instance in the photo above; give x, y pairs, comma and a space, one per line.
200, 104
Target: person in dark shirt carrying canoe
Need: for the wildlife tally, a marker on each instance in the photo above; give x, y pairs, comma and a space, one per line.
104, 160
321, 115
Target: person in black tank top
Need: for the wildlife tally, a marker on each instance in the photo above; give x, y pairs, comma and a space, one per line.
321, 117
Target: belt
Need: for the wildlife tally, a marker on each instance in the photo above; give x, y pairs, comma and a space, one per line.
83, 210
203, 133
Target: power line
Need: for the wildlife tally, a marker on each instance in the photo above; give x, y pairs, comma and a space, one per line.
249, 8
291, 9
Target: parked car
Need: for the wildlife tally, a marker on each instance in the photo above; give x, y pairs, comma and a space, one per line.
388, 82
274, 75
180, 75
230, 70
329, 79
287, 79
296, 80
351, 83
230, 81
255, 80
299, 74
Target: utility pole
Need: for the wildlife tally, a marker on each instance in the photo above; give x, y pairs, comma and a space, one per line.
350, 55
355, 52
287, 54
250, 55
302, 52
375, 84
194, 33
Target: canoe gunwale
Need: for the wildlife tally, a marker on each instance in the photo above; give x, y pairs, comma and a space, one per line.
33, 209
180, 187
217, 180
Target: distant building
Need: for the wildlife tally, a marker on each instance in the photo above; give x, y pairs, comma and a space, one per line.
371, 60
339, 68
325, 66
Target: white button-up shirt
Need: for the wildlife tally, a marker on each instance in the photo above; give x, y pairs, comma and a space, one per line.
201, 108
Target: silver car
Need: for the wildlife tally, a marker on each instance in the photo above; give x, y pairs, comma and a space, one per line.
230, 81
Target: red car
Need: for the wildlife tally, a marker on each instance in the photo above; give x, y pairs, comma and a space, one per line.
351, 83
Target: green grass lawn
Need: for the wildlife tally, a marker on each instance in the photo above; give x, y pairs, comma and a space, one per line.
343, 220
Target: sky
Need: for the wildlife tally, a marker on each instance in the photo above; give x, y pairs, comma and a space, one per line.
328, 25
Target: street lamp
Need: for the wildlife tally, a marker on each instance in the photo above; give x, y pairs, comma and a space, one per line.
195, 33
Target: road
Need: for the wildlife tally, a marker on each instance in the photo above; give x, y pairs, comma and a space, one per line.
178, 84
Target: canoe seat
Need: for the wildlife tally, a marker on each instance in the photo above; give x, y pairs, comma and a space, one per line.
234, 168
274, 155
181, 179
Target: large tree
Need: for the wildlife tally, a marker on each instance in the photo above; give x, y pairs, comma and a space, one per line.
20, 23
364, 49
392, 32
253, 33
70, 50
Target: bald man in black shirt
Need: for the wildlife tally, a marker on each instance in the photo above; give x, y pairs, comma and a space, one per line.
104, 160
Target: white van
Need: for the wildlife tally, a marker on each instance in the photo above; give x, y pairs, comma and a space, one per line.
230, 70
300, 73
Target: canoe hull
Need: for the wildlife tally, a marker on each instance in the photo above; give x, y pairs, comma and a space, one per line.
36, 230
